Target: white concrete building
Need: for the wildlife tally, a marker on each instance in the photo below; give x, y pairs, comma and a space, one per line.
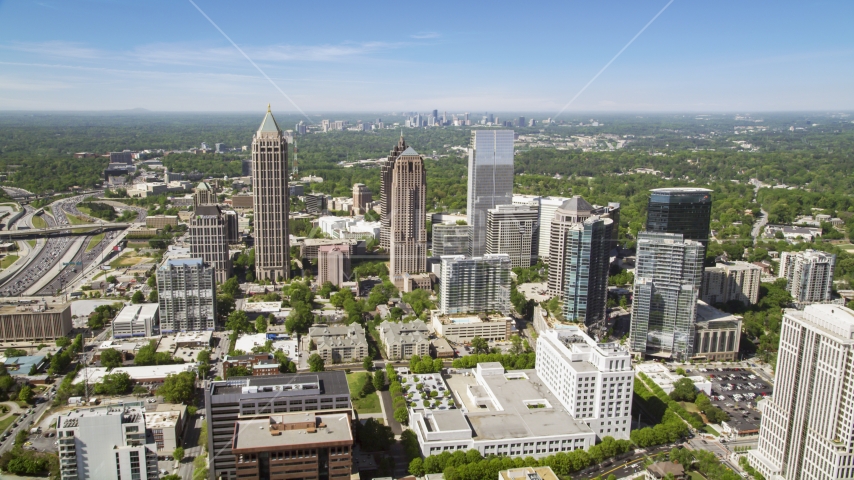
806, 430
479, 284
108, 443
136, 321
594, 381
464, 327
809, 275
731, 281
502, 413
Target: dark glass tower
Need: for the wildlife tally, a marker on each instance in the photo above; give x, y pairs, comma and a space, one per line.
687, 211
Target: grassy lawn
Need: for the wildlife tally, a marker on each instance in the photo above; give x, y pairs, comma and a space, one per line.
75, 220
709, 429
128, 260
138, 244
39, 222
690, 407
369, 404
696, 476
95, 241
4, 424
8, 260
31, 243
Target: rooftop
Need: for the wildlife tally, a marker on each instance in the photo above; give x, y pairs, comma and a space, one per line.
460, 319
528, 473
161, 420
291, 430
96, 374
331, 383
33, 308
181, 262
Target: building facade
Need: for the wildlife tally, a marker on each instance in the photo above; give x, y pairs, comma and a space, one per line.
463, 328
204, 194
361, 198
186, 292
594, 381
339, 343
107, 443
386, 179
140, 320
333, 264
451, 239
408, 234
806, 426
479, 284
668, 274
513, 230
161, 221
685, 211
209, 240
403, 340
809, 275
731, 281
34, 322
271, 201
228, 401
490, 181
586, 263
718, 335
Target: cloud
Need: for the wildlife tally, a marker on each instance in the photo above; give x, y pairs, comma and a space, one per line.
55, 49
425, 35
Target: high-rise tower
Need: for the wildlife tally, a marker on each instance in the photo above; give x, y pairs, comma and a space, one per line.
585, 270
386, 174
270, 194
686, 211
406, 207
490, 181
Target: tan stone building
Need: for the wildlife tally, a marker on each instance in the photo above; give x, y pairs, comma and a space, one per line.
403, 340
34, 322
208, 240
160, 221
271, 201
205, 194
339, 343
333, 264
242, 201
361, 198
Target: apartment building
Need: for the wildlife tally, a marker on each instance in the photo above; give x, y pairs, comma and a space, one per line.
209, 240
403, 340
186, 291
339, 343
809, 275
478, 284
731, 281
464, 327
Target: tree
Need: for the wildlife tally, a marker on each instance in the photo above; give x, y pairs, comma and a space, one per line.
63, 342
231, 287
402, 415
368, 363
683, 390
77, 344
479, 345
374, 436
238, 371
224, 305
111, 358
179, 388
15, 352
379, 380
139, 391
416, 467
25, 394
178, 454
114, 384
152, 296
367, 386
340, 297
316, 363
300, 318
238, 322
326, 289
138, 297
261, 324
518, 346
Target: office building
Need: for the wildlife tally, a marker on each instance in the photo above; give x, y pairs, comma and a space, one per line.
232, 226
809, 275
407, 209
209, 240
138, 320
231, 400
361, 199
34, 322
386, 178
668, 274
242, 201
294, 445
593, 381
731, 281
686, 211
125, 157
161, 221
315, 203
462, 328
186, 291
513, 230
271, 201
451, 239
204, 194
490, 181
717, 335
473, 285
166, 424
403, 340
108, 443
333, 264
585, 270
504, 413
806, 425
339, 343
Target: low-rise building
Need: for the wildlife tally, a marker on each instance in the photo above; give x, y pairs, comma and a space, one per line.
717, 334
194, 339
161, 221
34, 322
665, 470
242, 201
528, 473
138, 320
339, 343
258, 364
166, 426
462, 328
403, 340
141, 374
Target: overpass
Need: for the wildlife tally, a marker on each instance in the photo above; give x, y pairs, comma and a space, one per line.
81, 229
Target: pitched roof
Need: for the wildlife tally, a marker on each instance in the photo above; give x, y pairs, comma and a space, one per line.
576, 204
269, 124
409, 151
204, 186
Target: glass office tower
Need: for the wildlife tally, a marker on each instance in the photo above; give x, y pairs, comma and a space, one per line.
490, 180
686, 211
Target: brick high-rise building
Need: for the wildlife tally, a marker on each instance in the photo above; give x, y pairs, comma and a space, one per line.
386, 176
209, 240
361, 198
406, 212
333, 264
271, 201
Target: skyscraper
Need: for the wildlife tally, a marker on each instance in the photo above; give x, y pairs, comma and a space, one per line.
513, 229
361, 198
809, 275
571, 212
668, 274
407, 214
451, 239
333, 264
806, 430
585, 270
204, 194
271, 201
479, 284
386, 177
490, 181
686, 211
208, 240
186, 291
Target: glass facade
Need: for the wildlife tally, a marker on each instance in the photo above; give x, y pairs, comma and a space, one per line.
687, 211
490, 180
586, 264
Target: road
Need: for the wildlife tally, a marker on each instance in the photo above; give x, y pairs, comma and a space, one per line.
24, 423
48, 256
761, 221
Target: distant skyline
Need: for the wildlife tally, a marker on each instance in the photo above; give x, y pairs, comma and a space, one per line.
398, 56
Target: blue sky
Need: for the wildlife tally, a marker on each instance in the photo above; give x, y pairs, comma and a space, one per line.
392, 56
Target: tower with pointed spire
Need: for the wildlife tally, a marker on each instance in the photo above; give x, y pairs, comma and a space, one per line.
386, 172
271, 201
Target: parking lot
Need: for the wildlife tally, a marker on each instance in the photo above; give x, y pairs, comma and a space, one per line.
736, 391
